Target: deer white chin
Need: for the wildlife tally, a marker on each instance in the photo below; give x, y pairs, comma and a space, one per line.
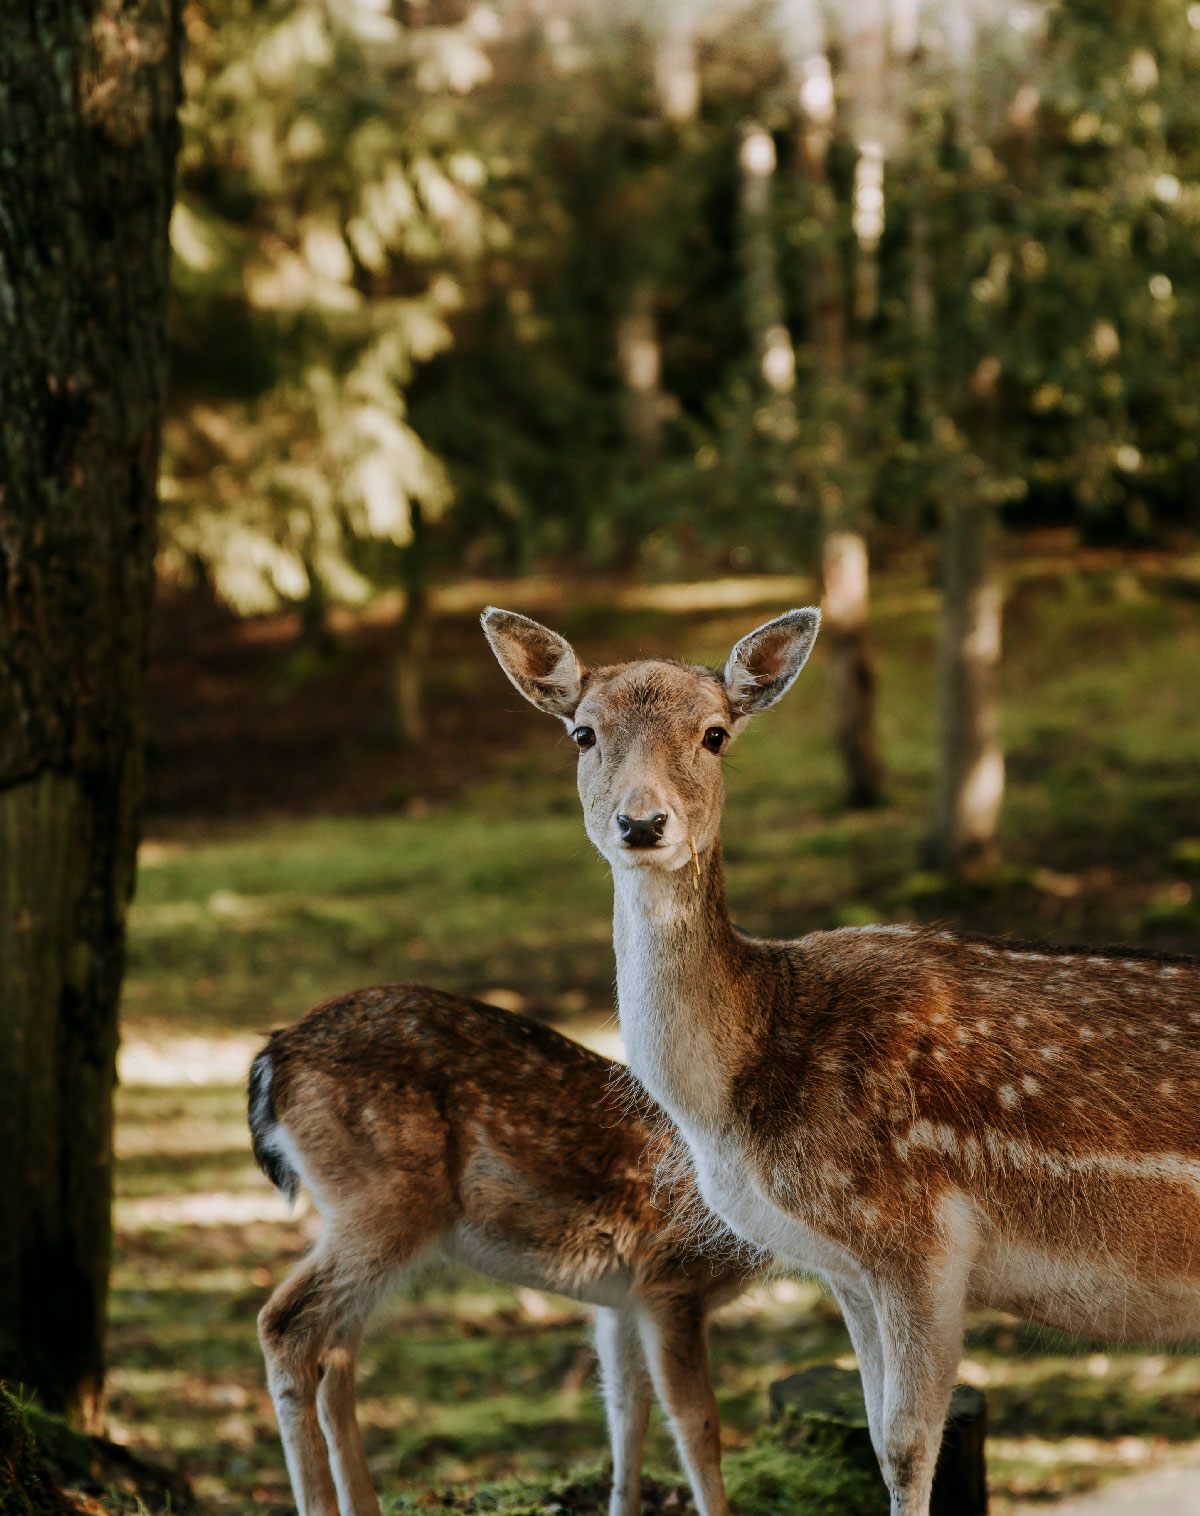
665, 858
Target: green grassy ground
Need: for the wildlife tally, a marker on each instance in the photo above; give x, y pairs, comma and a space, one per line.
497, 893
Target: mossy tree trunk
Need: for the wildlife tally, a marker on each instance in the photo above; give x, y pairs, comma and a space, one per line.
88, 100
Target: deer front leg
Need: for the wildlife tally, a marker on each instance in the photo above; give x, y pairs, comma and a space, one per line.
335, 1407
858, 1312
292, 1327
675, 1343
921, 1332
626, 1403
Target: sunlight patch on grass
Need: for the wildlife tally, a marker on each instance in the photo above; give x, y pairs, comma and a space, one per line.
167, 1062
216, 1208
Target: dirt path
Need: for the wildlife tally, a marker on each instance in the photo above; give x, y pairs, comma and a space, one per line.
1165, 1492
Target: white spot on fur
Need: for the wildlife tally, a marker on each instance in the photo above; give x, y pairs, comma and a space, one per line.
1030, 1085
1008, 1096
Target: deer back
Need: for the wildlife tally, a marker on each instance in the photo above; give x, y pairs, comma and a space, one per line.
517, 1150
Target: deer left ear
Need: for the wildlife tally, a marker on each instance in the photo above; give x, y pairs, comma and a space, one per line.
764, 664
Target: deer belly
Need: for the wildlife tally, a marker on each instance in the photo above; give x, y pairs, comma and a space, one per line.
1085, 1297
591, 1280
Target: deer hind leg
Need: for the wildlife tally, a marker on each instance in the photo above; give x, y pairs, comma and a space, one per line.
339, 1421
293, 1327
674, 1341
626, 1404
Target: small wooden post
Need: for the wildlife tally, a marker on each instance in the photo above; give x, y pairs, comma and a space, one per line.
834, 1397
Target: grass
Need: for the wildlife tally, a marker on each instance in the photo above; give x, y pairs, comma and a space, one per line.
466, 1382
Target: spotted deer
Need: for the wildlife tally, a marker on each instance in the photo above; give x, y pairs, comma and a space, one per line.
430, 1126
927, 1120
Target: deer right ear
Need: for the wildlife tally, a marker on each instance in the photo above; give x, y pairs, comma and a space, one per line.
541, 664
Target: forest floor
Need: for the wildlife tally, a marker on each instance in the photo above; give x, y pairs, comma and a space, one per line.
290, 856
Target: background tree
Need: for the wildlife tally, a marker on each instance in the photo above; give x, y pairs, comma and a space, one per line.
88, 96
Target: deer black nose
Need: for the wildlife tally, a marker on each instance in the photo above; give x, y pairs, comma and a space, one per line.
642, 831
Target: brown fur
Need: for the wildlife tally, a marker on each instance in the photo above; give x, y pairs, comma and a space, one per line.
425, 1123
929, 1120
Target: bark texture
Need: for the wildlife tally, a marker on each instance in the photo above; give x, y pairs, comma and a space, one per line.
971, 780
88, 100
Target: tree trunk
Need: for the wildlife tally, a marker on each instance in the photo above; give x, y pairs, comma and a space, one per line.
764, 297
837, 403
851, 666
88, 98
822, 1410
676, 68
971, 781
410, 651
641, 370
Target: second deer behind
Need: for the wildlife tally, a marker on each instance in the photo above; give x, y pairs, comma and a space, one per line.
426, 1125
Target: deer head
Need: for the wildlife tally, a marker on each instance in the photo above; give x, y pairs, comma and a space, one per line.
651, 734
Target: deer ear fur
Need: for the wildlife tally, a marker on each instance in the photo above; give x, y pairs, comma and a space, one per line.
541, 664
763, 665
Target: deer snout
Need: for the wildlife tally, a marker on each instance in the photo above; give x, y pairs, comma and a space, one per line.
642, 831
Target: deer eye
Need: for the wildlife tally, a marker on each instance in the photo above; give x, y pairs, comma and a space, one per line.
715, 738
585, 737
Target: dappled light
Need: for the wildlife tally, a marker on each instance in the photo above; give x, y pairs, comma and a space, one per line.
658, 324
492, 892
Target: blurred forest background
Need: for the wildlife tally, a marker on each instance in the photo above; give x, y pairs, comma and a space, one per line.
648, 321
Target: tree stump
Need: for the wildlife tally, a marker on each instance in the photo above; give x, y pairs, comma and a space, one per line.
833, 1398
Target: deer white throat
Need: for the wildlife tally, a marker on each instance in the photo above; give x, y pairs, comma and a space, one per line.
675, 987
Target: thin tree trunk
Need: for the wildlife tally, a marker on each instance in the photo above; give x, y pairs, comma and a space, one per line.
676, 70
970, 785
851, 667
971, 782
88, 98
764, 297
410, 650
641, 367
409, 657
844, 557
316, 636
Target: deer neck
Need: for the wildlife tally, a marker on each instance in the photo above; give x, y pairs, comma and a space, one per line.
679, 986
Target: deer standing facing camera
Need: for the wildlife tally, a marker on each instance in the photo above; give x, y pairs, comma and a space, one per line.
928, 1121
426, 1125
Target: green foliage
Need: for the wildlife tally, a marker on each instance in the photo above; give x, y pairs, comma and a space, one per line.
812, 1467
403, 253
31, 1439
462, 1384
20, 1474
315, 196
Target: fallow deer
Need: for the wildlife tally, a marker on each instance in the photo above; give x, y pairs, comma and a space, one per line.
929, 1121
426, 1125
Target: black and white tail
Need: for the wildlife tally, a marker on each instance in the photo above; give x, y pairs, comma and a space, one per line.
263, 1127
